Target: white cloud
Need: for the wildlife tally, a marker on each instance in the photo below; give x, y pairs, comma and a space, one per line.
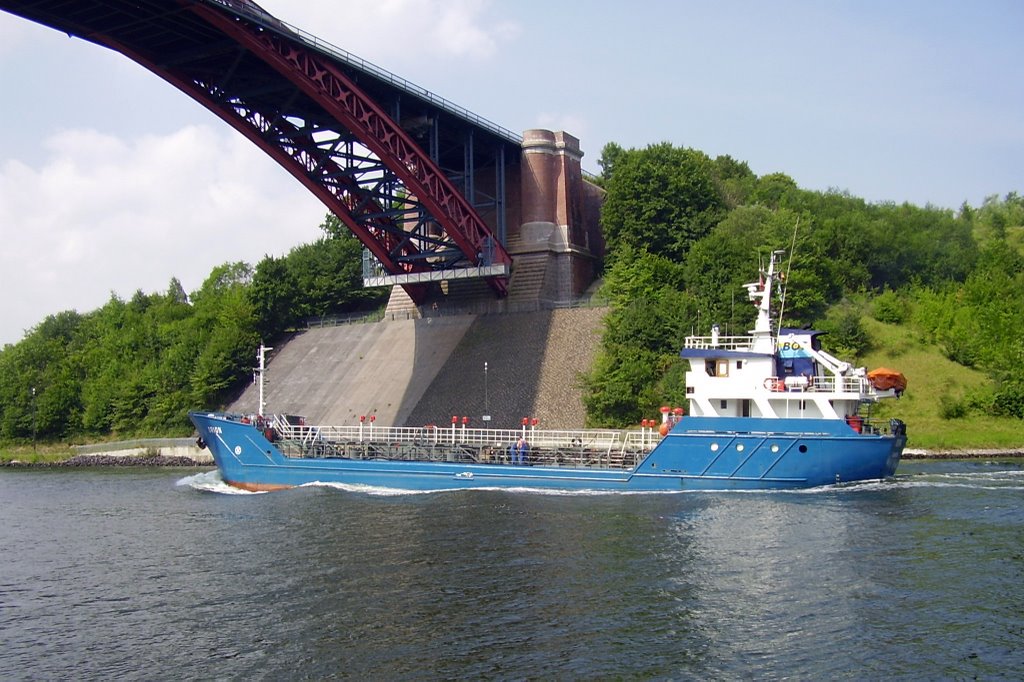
103, 214
458, 32
401, 30
84, 213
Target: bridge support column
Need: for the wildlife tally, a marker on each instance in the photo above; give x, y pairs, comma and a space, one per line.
558, 245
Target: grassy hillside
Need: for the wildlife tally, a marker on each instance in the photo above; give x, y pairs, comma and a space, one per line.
932, 378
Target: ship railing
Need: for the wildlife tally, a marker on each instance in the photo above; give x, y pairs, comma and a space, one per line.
737, 343
590, 438
872, 426
587, 447
826, 383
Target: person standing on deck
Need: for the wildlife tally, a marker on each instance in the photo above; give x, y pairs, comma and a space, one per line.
519, 449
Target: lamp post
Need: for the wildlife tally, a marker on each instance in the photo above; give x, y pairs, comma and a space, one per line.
33, 419
487, 411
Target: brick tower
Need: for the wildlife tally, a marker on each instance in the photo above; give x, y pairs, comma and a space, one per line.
558, 246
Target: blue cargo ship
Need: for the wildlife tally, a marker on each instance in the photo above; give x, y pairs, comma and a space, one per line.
767, 410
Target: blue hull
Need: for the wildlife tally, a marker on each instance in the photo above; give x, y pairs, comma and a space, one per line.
698, 454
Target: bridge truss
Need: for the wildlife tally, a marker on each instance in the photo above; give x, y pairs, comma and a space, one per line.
413, 194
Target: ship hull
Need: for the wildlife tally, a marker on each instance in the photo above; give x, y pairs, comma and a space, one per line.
698, 454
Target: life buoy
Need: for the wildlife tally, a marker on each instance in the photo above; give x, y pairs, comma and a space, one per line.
773, 384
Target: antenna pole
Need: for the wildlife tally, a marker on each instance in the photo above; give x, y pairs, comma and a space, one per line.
789, 266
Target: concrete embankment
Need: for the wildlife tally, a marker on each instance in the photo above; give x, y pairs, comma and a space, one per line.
179, 450
153, 452
416, 372
83, 461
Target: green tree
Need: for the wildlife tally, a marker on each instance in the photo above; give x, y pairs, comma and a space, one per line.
977, 323
638, 368
633, 372
610, 153
734, 181
636, 276
228, 321
39, 393
846, 336
912, 244
890, 307
274, 295
774, 190
660, 199
313, 280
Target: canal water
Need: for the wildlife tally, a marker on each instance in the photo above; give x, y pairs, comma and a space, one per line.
164, 573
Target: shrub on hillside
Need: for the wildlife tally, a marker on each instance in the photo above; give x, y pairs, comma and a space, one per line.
951, 407
889, 307
1008, 400
846, 336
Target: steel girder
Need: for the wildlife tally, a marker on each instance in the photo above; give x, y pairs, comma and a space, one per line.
311, 117
394, 221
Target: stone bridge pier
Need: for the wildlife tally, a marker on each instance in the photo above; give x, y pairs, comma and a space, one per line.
560, 217
552, 214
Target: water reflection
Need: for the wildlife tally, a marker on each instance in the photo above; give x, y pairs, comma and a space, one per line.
125, 573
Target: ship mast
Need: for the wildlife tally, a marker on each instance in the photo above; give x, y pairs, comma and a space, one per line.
760, 293
257, 376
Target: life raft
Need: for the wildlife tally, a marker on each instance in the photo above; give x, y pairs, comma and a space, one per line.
883, 379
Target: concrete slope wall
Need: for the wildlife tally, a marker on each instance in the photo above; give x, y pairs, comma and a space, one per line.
334, 375
534, 362
416, 372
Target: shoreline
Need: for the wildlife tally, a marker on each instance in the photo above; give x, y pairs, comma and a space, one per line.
117, 461
972, 453
107, 460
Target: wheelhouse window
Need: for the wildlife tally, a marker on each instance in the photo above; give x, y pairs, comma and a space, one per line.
716, 368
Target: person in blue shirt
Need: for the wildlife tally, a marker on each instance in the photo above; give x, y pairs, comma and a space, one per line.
519, 451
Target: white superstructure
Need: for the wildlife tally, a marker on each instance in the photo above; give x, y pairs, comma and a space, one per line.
775, 374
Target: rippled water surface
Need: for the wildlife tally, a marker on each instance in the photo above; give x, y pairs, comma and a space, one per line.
154, 574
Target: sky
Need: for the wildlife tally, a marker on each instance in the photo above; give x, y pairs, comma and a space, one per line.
112, 181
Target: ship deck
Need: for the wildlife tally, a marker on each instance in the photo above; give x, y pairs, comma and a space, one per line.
571, 448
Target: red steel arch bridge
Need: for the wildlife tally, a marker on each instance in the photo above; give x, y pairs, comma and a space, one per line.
419, 180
